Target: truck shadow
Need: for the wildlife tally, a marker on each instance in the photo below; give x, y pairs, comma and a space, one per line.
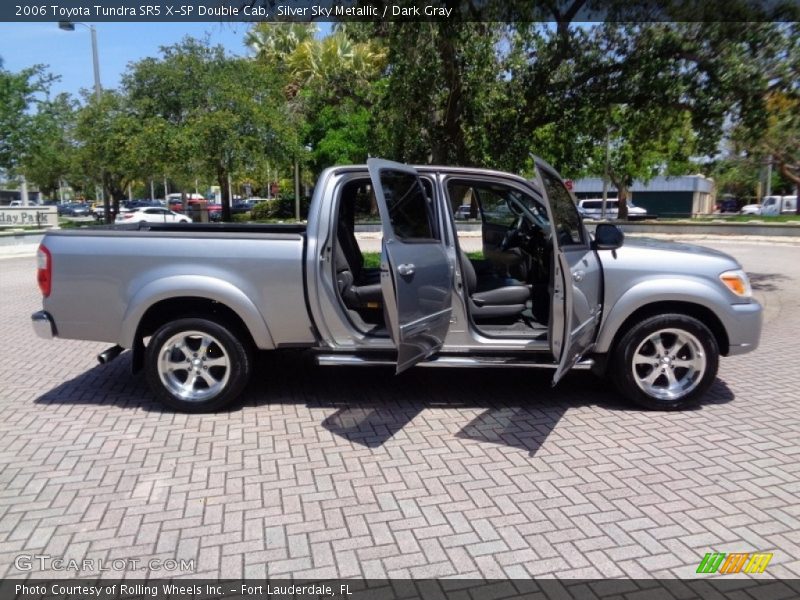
515, 407
511, 407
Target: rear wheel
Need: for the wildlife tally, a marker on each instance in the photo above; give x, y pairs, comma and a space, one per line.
666, 362
197, 365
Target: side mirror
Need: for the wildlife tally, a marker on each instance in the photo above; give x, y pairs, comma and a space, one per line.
608, 237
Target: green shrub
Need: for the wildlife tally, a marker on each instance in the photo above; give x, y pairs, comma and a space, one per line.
279, 208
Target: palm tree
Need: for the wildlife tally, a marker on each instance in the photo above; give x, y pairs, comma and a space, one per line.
335, 61
275, 42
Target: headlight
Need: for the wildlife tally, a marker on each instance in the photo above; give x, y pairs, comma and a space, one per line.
737, 282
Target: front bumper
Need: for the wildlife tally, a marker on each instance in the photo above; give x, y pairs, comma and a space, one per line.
745, 332
43, 324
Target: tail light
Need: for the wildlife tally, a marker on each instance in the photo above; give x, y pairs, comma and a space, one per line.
44, 270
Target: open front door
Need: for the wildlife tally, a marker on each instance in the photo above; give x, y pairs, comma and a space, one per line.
576, 277
416, 275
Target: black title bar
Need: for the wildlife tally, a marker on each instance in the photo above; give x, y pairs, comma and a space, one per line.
400, 10
404, 589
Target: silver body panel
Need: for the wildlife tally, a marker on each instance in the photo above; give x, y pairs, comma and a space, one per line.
105, 280
644, 272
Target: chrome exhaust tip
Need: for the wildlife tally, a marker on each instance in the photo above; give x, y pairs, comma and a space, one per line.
106, 356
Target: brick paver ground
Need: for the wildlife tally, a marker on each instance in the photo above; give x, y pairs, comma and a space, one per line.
333, 472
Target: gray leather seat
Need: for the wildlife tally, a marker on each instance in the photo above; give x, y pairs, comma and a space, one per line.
359, 287
492, 296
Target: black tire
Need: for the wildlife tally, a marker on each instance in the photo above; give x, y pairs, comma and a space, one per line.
175, 353
681, 374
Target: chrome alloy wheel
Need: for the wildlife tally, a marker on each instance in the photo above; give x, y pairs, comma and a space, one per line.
669, 364
193, 366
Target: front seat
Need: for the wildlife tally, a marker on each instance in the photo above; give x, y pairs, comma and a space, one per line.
359, 287
493, 297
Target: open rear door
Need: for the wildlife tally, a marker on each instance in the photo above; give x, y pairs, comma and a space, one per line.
576, 276
416, 275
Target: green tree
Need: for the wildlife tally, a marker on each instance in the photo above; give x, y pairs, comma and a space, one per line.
19, 95
210, 113
736, 175
640, 145
444, 84
108, 134
489, 94
48, 156
780, 140
331, 86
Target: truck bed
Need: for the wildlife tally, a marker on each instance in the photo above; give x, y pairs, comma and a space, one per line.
104, 277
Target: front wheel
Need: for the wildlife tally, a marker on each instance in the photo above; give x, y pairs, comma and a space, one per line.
196, 365
666, 362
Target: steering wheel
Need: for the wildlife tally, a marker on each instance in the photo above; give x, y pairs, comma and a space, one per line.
513, 236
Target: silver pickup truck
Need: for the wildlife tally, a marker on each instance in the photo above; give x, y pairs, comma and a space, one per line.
193, 302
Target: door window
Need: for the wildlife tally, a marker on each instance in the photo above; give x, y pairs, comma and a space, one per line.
411, 211
567, 221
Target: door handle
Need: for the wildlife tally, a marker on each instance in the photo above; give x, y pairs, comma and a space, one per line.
577, 276
406, 269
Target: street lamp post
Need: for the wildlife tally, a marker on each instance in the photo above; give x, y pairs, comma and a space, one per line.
70, 26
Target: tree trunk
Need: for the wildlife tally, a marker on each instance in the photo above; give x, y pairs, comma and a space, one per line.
449, 147
622, 197
112, 192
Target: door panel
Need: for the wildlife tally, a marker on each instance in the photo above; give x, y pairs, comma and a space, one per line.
416, 275
577, 276
583, 278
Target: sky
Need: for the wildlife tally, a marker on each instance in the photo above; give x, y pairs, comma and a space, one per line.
69, 53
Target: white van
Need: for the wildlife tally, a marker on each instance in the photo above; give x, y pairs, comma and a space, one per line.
592, 208
776, 205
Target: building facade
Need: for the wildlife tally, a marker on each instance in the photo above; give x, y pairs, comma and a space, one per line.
666, 197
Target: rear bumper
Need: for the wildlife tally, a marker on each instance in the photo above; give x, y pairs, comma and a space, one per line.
43, 324
745, 331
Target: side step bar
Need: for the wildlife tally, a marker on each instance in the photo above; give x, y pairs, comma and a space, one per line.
444, 361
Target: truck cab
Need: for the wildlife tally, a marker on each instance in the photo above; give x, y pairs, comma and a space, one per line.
534, 298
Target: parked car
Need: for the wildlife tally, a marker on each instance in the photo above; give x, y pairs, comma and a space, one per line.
152, 214
74, 209
214, 212
727, 206
193, 309
778, 205
593, 209
99, 211
241, 207
462, 212
175, 201
134, 204
750, 209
